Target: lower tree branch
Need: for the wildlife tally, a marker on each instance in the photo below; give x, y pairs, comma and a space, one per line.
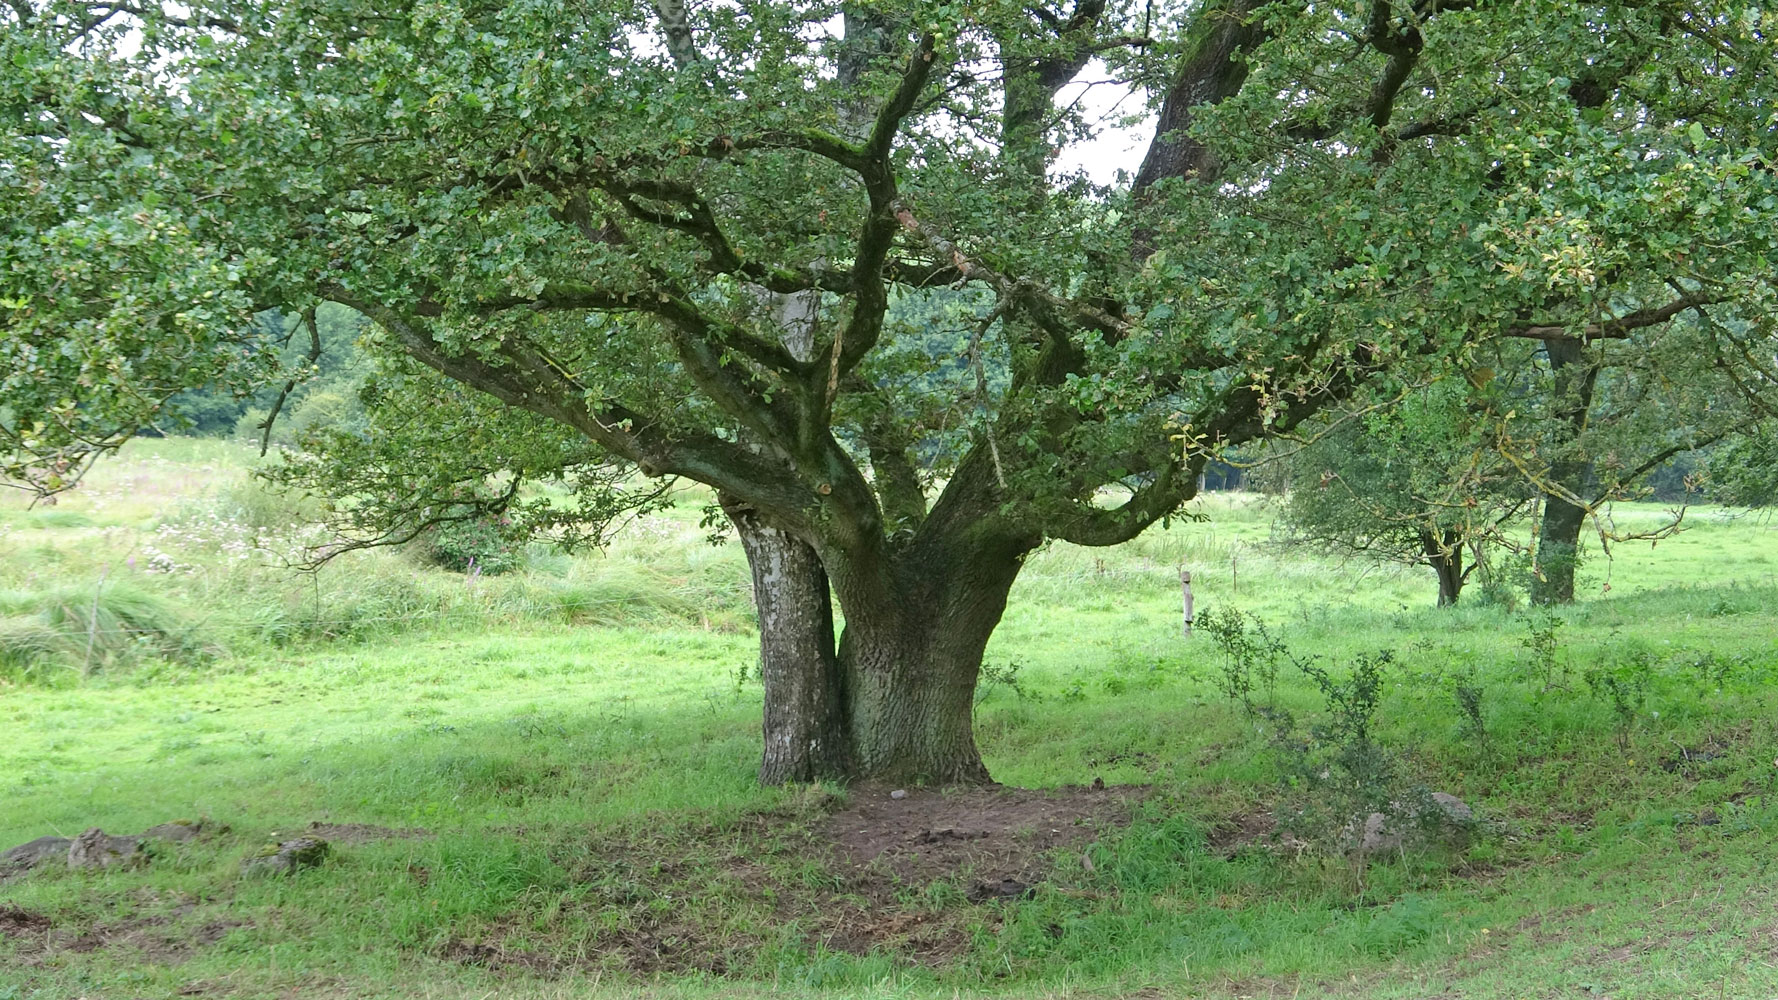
1617, 328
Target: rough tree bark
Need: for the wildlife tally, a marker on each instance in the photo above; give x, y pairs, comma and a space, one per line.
806, 733
917, 625
1444, 553
1213, 69
1034, 67
1558, 533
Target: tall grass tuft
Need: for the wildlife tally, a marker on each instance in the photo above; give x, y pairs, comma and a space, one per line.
79, 628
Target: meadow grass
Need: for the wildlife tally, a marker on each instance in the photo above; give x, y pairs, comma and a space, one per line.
578, 741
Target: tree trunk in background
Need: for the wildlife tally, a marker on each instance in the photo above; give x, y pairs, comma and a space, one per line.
1558, 534
1444, 553
1558, 551
1212, 69
806, 735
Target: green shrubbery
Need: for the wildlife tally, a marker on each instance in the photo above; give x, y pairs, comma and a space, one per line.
477, 545
322, 408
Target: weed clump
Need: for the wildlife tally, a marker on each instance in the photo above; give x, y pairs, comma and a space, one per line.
1345, 790
1337, 773
996, 675
472, 539
1544, 642
75, 630
1250, 654
1466, 690
1623, 686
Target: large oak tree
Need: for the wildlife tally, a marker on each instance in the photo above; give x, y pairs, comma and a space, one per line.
668, 237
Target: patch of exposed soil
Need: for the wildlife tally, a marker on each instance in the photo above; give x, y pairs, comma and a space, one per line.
164, 938
1552, 926
1230, 835
359, 833
653, 947
496, 959
995, 844
999, 839
160, 939
853, 875
18, 922
1690, 760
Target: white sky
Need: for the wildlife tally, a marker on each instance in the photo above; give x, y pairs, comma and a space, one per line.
1113, 148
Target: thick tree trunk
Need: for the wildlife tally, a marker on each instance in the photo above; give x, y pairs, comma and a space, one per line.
1558, 551
1444, 553
806, 735
912, 697
1210, 73
912, 653
1558, 535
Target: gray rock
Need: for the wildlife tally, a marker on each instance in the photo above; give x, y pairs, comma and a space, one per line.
1379, 835
97, 849
288, 857
1457, 812
899, 793
37, 852
1442, 816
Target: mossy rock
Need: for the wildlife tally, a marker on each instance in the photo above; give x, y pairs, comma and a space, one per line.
287, 857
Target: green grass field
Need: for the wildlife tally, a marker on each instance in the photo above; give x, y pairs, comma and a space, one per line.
567, 753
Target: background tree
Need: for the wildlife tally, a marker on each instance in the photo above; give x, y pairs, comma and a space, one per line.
1599, 414
1744, 472
1415, 483
571, 208
1455, 462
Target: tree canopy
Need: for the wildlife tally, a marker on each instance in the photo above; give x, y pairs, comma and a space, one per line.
666, 237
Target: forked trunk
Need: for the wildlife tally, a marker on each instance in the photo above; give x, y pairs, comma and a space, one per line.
894, 702
1444, 553
806, 736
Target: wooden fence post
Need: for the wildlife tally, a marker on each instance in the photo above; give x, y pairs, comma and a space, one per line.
1185, 586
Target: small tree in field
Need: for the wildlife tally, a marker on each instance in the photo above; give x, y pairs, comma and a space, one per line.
599, 239
1414, 484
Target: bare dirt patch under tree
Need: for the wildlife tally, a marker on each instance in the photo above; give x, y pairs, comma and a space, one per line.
913, 876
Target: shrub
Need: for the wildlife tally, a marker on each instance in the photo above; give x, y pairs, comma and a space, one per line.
475, 541
1543, 641
474, 546
1337, 773
1466, 690
1249, 653
1625, 687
